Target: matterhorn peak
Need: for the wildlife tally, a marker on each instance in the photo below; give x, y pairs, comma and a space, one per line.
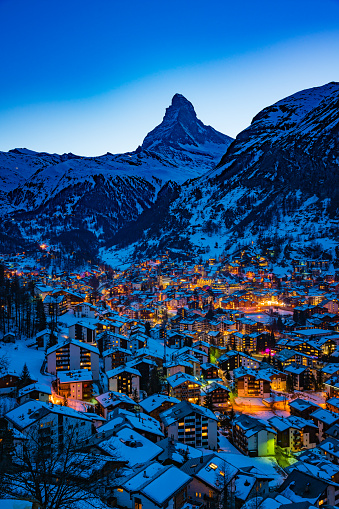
180, 127
179, 101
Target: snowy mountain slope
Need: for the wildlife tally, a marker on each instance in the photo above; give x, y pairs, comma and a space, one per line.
277, 183
55, 193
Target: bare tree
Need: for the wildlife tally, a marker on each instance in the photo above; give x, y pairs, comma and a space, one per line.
56, 481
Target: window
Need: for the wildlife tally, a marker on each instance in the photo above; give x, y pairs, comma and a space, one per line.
137, 503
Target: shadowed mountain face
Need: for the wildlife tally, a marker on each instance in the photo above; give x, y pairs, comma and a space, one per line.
277, 184
48, 195
181, 129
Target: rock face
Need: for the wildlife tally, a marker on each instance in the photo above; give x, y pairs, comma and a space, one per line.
50, 195
277, 183
182, 130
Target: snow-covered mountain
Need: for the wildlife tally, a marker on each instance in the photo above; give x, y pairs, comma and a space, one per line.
277, 184
48, 195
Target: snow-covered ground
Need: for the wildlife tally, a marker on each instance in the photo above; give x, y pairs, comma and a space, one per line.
19, 353
268, 465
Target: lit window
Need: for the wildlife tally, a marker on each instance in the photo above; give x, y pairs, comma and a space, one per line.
212, 465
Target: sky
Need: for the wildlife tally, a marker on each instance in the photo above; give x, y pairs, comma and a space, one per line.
91, 77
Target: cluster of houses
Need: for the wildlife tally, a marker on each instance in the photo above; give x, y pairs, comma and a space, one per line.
150, 365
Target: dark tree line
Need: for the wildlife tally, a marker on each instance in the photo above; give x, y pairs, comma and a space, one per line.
20, 310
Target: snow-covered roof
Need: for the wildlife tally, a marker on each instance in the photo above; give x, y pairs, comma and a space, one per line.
122, 369
155, 401
32, 411
183, 409
141, 422
75, 375
129, 445
75, 342
180, 378
113, 398
165, 484
34, 387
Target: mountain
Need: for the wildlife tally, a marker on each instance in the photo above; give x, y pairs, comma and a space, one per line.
277, 185
49, 196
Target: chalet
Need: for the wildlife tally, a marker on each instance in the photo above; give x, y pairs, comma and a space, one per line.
303, 487
124, 379
153, 486
258, 382
300, 376
72, 354
84, 310
332, 386
209, 371
8, 382
178, 366
324, 419
191, 424
41, 421
115, 357
109, 401
9, 337
332, 405
35, 391
219, 394
83, 331
157, 403
42, 338
75, 384
184, 387
302, 408
253, 437
210, 474
55, 305
294, 433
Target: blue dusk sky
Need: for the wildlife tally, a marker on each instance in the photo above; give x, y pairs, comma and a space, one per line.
90, 77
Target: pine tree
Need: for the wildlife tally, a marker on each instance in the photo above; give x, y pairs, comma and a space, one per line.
25, 378
40, 315
135, 396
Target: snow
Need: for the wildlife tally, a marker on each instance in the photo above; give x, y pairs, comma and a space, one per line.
19, 353
15, 504
226, 446
267, 465
129, 445
164, 486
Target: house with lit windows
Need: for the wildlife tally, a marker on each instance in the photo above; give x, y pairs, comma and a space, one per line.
257, 383
294, 433
253, 437
210, 475
153, 486
72, 354
83, 330
184, 387
42, 423
115, 357
75, 384
124, 379
191, 424
218, 393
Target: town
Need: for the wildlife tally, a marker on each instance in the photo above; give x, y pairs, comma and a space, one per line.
171, 384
